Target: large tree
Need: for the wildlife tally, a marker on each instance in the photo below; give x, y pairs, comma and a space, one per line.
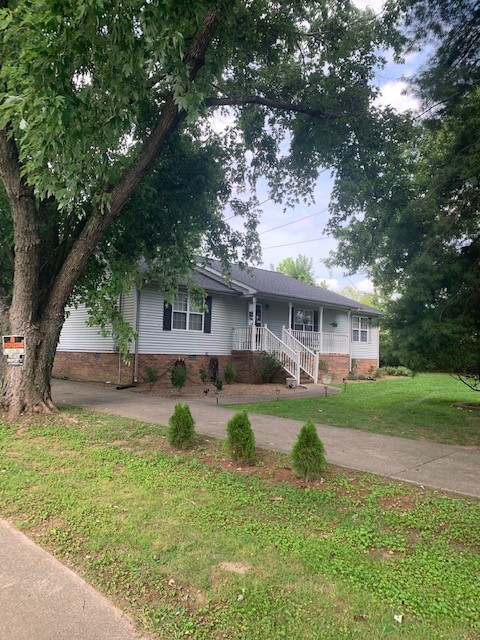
419, 231
96, 96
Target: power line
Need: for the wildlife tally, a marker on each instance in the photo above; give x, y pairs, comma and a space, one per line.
291, 244
287, 224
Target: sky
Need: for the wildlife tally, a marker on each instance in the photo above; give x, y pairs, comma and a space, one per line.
300, 230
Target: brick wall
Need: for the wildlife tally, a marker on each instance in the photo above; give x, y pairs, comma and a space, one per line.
92, 367
366, 367
104, 367
337, 365
109, 367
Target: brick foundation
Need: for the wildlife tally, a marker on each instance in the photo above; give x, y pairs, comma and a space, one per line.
92, 367
109, 367
365, 367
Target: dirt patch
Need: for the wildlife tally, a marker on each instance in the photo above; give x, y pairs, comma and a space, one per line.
467, 406
192, 389
235, 567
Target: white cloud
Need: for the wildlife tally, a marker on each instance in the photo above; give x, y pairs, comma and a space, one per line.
365, 286
376, 5
392, 94
332, 283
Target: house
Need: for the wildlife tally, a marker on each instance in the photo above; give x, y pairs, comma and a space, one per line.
309, 329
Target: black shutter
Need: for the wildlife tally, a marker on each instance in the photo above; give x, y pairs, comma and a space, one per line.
207, 321
292, 322
315, 320
167, 317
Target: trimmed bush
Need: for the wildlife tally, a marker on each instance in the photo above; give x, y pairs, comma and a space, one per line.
151, 375
240, 438
202, 372
229, 373
308, 453
178, 376
181, 427
266, 367
219, 384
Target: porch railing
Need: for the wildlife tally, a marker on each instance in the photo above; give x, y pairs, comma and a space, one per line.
262, 339
323, 342
308, 358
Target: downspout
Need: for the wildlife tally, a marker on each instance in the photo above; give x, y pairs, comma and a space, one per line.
349, 325
137, 325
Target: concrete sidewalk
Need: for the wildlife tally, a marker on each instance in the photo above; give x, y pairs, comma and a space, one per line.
40, 599
439, 466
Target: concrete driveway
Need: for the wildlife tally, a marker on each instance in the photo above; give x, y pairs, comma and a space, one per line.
450, 468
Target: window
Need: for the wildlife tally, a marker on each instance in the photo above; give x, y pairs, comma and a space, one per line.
186, 315
303, 320
360, 329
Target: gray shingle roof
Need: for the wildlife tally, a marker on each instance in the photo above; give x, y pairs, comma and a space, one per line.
272, 283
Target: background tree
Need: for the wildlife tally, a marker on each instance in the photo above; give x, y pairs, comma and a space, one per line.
418, 233
95, 97
300, 268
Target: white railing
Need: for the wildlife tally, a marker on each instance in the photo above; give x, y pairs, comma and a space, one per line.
262, 339
289, 358
308, 358
322, 342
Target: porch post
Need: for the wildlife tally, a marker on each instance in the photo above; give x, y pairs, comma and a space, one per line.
290, 316
321, 329
254, 326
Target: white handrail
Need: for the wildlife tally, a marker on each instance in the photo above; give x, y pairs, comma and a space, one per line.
308, 358
289, 359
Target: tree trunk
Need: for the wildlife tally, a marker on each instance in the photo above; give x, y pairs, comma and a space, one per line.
26, 388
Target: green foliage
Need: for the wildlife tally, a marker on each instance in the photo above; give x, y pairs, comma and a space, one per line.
240, 438
419, 408
417, 234
395, 371
151, 374
204, 377
265, 367
229, 373
300, 268
181, 427
219, 384
308, 453
178, 376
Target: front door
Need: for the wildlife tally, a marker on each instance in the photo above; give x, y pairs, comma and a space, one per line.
258, 315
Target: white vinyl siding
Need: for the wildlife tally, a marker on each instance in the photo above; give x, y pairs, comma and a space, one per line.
227, 312
335, 321
77, 336
275, 315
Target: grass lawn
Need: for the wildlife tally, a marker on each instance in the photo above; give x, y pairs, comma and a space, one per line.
418, 408
194, 550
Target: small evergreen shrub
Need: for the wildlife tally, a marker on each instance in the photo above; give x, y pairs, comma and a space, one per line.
202, 372
178, 376
229, 373
308, 453
181, 427
266, 366
151, 374
219, 384
240, 438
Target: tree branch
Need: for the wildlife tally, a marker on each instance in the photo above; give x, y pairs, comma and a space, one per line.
117, 195
271, 103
